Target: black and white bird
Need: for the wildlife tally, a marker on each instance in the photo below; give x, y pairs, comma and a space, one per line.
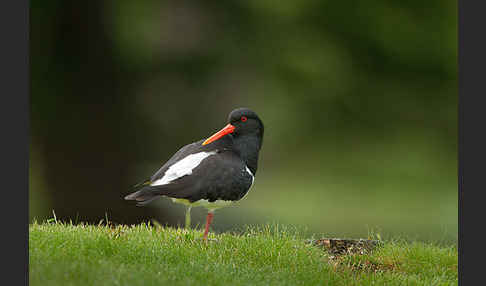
213, 172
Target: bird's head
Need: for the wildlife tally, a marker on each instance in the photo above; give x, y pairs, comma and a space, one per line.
241, 122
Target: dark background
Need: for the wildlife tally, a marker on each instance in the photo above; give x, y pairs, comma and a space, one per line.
359, 101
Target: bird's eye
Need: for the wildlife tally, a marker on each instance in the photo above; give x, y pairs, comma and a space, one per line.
243, 119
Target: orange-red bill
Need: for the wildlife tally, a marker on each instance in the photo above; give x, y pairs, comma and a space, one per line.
226, 130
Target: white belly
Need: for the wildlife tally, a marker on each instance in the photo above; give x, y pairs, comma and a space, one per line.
211, 206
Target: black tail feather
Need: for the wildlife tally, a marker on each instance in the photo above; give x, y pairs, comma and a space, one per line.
143, 196
147, 201
140, 194
148, 193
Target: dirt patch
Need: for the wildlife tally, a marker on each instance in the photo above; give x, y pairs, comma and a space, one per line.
338, 246
348, 255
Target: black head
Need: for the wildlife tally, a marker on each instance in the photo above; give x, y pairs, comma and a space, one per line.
246, 129
246, 122
242, 124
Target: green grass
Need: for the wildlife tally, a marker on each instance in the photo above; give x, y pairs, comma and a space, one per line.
66, 254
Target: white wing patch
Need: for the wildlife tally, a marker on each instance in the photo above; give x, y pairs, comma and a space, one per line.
251, 174
252, 180
182, 168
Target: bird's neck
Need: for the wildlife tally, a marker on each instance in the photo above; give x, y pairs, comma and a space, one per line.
248, 148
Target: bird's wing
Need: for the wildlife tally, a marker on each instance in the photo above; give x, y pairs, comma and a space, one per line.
195, 171
219, 176
184, 151
187, 149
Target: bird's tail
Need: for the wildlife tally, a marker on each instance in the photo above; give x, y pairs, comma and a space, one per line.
143, 196
148, 193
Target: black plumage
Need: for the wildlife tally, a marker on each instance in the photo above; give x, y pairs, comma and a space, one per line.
226, 172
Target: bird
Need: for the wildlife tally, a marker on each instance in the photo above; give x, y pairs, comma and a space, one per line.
212, 173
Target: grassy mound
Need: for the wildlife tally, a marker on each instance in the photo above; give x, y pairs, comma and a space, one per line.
66, 254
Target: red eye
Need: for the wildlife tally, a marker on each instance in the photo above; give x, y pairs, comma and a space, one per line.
243, 119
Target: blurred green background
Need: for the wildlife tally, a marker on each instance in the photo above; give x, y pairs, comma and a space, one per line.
358, 98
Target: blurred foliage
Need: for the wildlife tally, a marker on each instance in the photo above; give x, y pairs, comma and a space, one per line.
359, 101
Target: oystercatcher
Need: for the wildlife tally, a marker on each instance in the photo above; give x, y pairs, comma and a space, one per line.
213, 172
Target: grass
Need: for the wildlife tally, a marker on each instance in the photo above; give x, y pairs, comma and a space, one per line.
67, 254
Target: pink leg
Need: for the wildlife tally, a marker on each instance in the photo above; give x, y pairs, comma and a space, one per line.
209, 218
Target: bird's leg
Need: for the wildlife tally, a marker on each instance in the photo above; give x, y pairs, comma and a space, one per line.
209, 218
188, 217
